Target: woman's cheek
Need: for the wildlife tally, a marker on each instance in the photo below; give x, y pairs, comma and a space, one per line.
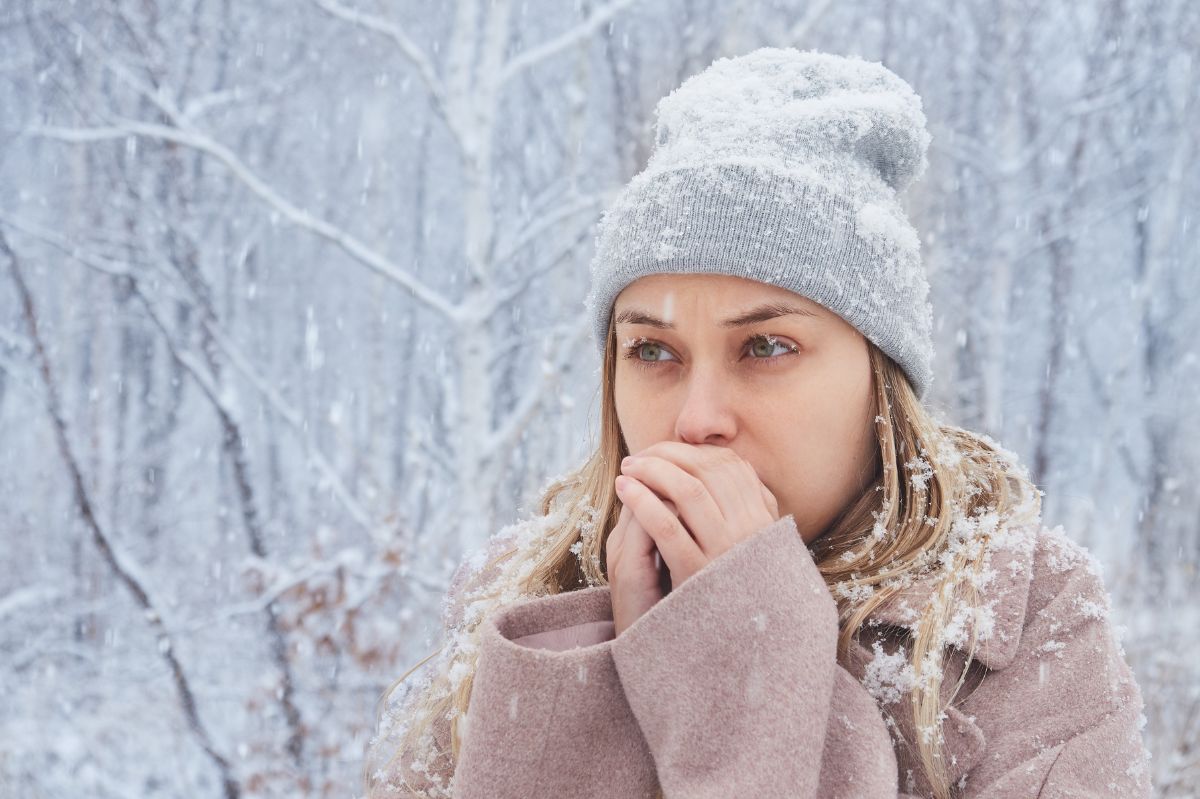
630, 418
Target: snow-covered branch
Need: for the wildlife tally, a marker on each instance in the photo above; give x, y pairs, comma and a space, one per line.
410, 50
205, 380
520, 417
581, 32
123, 129
123, 568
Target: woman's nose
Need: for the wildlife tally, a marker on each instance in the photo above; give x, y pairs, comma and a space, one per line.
706, 415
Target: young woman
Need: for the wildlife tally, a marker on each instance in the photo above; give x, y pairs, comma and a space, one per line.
777, 575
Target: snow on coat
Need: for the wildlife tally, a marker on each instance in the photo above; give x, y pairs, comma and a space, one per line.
730, 686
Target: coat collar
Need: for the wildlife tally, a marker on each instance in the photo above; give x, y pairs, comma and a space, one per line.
1004, 593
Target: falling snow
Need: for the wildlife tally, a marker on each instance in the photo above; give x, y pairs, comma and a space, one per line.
306, 334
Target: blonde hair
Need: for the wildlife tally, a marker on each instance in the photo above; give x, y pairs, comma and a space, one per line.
929, 475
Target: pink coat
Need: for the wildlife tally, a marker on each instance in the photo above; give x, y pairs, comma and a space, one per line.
730, 687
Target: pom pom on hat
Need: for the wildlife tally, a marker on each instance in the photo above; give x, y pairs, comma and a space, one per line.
789, 107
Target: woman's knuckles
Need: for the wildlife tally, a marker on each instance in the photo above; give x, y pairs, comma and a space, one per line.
666, 529
694, 490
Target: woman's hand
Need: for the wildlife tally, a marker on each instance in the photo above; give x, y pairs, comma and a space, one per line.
715, 500
637, 577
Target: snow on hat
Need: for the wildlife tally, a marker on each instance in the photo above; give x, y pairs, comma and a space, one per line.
783, 166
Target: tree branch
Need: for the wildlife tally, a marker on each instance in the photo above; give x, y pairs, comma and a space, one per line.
124, 569
569, 38
518, 419
408, 48
298, 216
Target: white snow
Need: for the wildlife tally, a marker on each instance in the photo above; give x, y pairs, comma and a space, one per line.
816, 104
889, 676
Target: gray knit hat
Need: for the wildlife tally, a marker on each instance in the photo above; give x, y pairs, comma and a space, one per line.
785, 167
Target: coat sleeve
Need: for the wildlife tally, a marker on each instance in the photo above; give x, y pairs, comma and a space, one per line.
547, 714
1064, 718
734, 681
546, 717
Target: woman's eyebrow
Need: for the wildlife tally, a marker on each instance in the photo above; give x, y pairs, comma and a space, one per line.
764, 312
761, 313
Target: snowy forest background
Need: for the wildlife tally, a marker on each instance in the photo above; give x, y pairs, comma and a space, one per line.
290, 320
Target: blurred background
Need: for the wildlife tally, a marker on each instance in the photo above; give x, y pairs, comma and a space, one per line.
291, 320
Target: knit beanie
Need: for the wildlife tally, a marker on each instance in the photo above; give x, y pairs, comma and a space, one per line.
786, 167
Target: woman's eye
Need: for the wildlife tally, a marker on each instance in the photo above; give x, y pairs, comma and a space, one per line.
768, 347
646, 354
655, 351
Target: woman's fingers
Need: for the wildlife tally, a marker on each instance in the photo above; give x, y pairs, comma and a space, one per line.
716, 526
769, 499
628, 545
613, 544
720, 497
693, 504
637, 541
722, 471
676, 546
635, 577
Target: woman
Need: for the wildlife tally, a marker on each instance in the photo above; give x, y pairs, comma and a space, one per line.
802, 585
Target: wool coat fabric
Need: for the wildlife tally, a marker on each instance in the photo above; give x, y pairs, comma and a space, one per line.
730, 686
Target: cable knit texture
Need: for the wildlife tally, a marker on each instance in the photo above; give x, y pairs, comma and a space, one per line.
729, 686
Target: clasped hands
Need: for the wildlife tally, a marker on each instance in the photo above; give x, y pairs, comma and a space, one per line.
689, 503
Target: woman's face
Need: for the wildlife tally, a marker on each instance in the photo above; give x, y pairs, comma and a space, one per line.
716, 359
